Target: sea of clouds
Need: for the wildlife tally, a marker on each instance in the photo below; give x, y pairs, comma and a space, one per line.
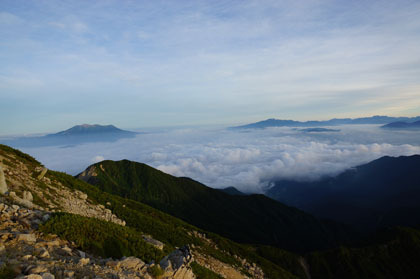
246, 159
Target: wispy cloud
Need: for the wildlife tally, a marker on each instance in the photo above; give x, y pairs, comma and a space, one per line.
229, 61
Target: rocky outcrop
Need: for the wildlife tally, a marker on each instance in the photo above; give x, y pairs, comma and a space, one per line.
42, 174
3, 185
31, 254
177, 264
22, 201
156, 243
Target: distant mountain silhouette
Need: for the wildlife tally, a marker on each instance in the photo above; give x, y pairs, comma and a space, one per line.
403, 125
332, 122
318, 130
76, 135
381, 193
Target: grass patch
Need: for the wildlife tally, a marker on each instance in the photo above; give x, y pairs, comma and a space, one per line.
204, 273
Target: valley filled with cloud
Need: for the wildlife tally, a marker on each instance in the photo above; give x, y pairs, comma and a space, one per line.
246, 159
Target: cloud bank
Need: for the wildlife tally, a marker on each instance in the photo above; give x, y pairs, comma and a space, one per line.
248, 160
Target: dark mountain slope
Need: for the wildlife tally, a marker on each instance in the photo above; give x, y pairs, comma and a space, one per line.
389, 254
383, 192
250, 219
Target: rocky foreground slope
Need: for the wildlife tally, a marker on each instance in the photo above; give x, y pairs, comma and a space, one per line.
30, 196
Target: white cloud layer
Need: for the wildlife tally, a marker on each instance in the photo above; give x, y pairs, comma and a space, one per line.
248, 160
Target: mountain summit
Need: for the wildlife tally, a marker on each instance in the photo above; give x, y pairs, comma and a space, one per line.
78, 134
86, 129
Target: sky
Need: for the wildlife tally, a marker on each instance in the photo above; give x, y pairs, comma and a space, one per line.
171, 63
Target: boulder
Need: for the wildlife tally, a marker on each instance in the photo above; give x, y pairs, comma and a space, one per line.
33, 276
43, 172
84, 261
3, 185
26, 237
176, 259
28, 196
131, 263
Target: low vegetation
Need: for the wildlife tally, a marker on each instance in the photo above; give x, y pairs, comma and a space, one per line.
101, 238
204, 273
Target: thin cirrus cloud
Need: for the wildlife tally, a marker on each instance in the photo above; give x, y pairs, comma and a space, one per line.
159, 63
247, 160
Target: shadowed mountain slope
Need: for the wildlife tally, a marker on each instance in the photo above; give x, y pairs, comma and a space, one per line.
249, 219
381, 193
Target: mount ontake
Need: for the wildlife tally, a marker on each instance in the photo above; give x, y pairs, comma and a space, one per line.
76, 135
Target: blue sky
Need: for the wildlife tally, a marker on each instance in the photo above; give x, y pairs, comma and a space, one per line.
161, 63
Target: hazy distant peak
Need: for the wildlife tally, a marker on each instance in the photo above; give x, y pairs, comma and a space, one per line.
90, 129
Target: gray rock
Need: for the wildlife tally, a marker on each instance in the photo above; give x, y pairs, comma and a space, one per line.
82, 254
46, 217
26, 237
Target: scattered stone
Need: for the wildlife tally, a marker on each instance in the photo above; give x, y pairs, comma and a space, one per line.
44, 254
153, 241
48, 275
131, 263
82, 254
84, 261
26, 237
69, 273
33, 276
37, 269
27, 196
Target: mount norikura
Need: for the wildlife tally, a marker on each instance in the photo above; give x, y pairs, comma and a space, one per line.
332, 122
78, 134
55, 226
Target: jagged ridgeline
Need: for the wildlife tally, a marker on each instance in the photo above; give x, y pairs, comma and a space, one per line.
60, 192
247, 219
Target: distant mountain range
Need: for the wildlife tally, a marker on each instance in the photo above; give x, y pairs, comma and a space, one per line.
76, 135
381, 193
332, 122
403, 125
